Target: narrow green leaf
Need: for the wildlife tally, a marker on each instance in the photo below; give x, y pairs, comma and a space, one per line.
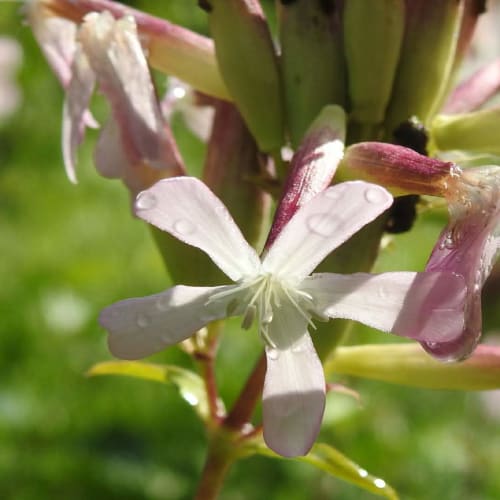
330, 460
333, 462
190, 385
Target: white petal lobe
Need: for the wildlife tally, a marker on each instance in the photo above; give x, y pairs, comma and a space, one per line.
142, 326
424, 306
293, 399
323, 224
188, 210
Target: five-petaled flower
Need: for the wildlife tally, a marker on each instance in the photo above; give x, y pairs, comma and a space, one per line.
280, 293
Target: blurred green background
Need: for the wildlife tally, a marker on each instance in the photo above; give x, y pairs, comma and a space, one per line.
67, 251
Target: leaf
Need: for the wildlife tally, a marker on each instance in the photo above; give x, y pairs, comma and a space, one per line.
330, 460
191, 387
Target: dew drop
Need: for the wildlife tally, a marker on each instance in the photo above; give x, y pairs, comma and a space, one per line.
297, 349
273, 354
447, 242
142, 320
190, 398
380, 483
146, 201
163, 303
333, 193
375, 195
363, 473
184, 227
322, 224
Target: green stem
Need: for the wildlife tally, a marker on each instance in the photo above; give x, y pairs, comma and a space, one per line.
217, 464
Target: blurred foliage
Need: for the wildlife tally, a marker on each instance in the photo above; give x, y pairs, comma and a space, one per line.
67, 251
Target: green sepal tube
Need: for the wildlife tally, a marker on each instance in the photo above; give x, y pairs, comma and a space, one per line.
249, 67
426, 62
408, 364
478, 131
312, 61
373, 35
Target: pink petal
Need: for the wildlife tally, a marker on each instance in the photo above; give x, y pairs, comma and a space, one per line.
423, 306
187, 209
293, 398
469, 246
142, 326
56, 37
115, 54
75, 110
323, 224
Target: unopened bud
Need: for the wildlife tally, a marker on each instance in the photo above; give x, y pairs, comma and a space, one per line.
312, 61
249, 66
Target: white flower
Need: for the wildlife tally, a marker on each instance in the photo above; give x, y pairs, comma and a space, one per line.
279, 293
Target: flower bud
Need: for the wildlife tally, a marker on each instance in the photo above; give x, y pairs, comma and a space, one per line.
249, 66
477, 131
172, 49
373, 34
400, 169
313, 165
426, 61
312, 61
407, 364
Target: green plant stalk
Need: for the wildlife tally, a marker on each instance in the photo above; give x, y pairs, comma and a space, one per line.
220, 457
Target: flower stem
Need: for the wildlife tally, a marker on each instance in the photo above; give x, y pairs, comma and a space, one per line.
242, 410
217, 464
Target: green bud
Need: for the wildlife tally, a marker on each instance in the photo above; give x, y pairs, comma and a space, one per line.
478, 131
373, 34
408, 364
426, 61
312, 62
249, 67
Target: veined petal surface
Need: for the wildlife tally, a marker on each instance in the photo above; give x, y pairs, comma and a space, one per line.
323, 224
186, 208
142, 326
423, 306
294, 387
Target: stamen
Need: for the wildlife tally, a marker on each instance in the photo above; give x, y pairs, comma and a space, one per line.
249, 317
300, 309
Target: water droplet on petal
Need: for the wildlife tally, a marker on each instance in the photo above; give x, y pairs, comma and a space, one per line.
333, 193
296, 349
273, 354
323, 224
146, 201
184, 227
375, 195
163, 303
220, 210
142, 320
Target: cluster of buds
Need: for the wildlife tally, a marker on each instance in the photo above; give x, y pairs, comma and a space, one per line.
287, 117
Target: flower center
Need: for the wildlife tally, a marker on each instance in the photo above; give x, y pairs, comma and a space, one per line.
263, 297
